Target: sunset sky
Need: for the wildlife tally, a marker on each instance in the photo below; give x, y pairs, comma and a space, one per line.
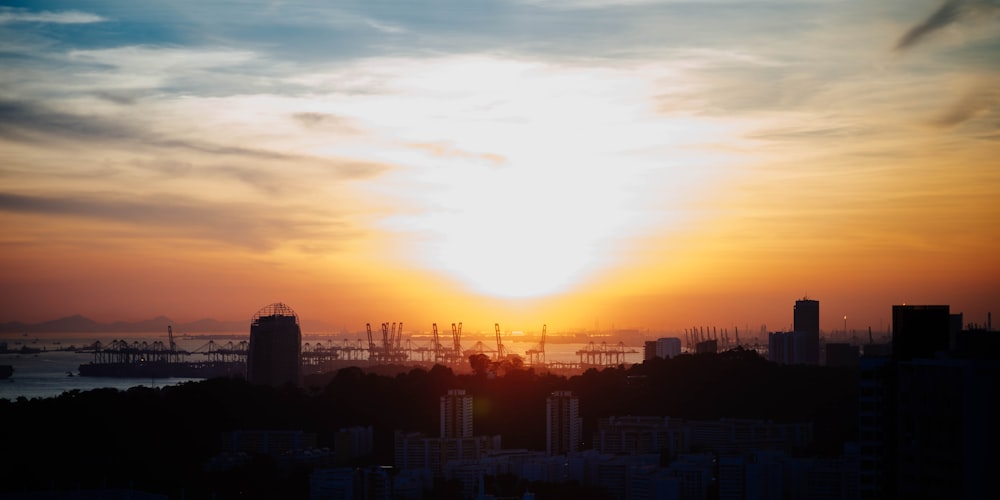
586, 164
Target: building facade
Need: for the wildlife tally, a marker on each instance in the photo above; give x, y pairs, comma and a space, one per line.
456, 414
563, 425
275, 356
806, 316
668, 347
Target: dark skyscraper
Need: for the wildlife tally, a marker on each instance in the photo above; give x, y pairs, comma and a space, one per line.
456, 414
275, 347
802, 343
806, 316
563, 425
919, 331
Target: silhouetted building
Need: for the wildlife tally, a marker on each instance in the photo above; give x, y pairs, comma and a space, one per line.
352, 443
417, 451
349, 483
877, 350
648, 350
729, 435
636, 435
954, 324
668, 347
710, 346
344, 482
928, 413
664, 348
946, 429
456, 414
563, 425
275, 356
793, 348
806, 316
876, 420
842, 354
919, 331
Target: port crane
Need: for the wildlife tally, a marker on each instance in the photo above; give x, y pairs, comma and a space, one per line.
456, 336
399, 335
386, 340
172, 355
371, 343
496, 326
537, 356
437, 343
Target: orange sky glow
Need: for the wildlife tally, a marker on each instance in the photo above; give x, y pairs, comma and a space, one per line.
589, 165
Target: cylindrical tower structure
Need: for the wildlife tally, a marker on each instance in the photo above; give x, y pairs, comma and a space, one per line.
275, 356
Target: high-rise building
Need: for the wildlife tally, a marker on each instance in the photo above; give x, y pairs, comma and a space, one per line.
927, 413
664, 348
806, 316
668, 347
842, 354
456, 414
793, 348
919, 331
876, 428
563, 425
801, 345
275, 356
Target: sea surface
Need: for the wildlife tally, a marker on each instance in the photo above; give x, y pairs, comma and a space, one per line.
54, 368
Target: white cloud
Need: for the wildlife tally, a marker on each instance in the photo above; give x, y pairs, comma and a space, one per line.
9, 15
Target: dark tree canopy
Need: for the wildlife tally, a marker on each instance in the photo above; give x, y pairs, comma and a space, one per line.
158, 440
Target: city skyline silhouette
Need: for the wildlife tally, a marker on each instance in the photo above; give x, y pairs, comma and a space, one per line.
498, 249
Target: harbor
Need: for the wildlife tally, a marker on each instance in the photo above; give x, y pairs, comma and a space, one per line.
47, 365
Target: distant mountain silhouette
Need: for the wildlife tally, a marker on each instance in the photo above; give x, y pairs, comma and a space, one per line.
81, 324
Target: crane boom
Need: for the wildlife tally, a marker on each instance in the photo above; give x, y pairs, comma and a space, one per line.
541, 344
371, 341
496, 326
456, 334
437, 344
386, 342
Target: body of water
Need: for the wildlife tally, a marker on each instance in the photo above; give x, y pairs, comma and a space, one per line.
54, 369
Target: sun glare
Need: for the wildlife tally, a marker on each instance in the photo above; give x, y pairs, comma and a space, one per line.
517, 237
535, 183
